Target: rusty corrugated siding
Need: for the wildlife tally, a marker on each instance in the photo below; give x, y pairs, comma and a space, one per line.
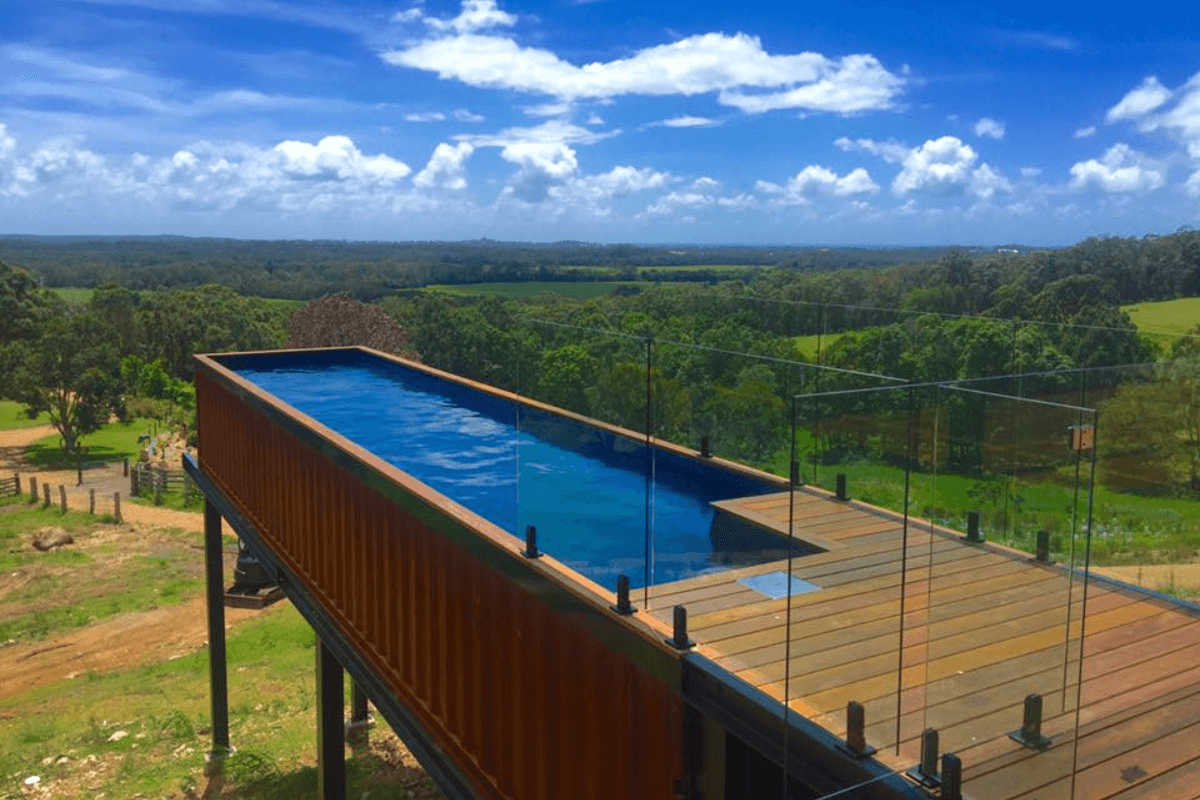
527, 699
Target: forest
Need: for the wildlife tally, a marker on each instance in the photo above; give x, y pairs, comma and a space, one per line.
720, 356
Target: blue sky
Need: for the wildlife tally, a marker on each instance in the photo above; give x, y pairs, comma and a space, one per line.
750, 122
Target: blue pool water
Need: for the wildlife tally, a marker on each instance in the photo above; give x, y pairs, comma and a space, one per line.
585, 489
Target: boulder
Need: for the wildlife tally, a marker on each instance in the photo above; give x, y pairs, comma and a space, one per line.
50, 538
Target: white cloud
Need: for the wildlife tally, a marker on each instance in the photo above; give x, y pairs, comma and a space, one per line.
463, 115
1140, 101
936, 165
8, 143
990, 128
1193, 184
816, 179
1084, 133
331, 176
686, 121
425, 116
596, 192
476, 15
336, 158
713, 62
552, 131
445, 168
595, 119
548, 109
1030, 172
703, 192
890, 151
1120, 170
985, 182
939, 166
542, 165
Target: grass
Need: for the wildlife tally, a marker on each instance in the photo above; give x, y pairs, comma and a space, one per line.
806, 346
114, 441
1174, 317
163, 710
581, 290
74, 295
70, 587
13, 417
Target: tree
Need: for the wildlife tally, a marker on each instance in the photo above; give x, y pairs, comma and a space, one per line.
24, 307
339, 321
73, 376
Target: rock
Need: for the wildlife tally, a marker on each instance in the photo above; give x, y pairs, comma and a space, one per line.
118, 736
33, 780
47, 761
63, 760
50, 538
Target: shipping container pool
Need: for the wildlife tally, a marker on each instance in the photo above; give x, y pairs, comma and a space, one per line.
603, 502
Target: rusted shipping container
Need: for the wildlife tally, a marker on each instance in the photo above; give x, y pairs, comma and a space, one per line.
515, 667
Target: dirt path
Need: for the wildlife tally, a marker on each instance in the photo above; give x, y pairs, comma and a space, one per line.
1157, 576
23, 437
125, 640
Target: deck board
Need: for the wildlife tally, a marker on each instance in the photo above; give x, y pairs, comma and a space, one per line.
953, 635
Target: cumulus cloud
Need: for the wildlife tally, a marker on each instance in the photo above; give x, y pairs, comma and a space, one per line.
476, 15
816, 179
1140, 101
736, 67
1084, 133
596, 192
890, 151
942, 166
703, 192
548, 109
542, 164
445, 169
1193, 184
1120, 170
8, 143
330, 175
990, 128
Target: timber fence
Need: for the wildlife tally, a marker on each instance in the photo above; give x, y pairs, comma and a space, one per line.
146, 480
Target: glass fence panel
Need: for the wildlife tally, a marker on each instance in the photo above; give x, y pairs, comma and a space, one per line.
851, 548
583, 464
995, 667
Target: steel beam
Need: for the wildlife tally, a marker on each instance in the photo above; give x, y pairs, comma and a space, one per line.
214, 571
331, 742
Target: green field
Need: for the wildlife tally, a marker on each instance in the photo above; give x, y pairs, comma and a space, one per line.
1173, 317
13, 417
114, 441
806, 346
74, 295
582, 290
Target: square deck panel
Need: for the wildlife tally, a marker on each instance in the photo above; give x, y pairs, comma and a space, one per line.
775, 585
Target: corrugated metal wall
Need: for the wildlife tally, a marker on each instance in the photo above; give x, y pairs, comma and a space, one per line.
518, 689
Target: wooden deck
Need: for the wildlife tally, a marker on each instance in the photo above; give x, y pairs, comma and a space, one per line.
955, 641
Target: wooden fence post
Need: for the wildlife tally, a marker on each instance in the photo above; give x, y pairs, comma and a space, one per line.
46, 495
117, 506
92, 502
62, 497
160, 485
126, 475
134, 488
33, 490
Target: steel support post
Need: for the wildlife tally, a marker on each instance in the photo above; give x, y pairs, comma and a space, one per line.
331, 741
214, 570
